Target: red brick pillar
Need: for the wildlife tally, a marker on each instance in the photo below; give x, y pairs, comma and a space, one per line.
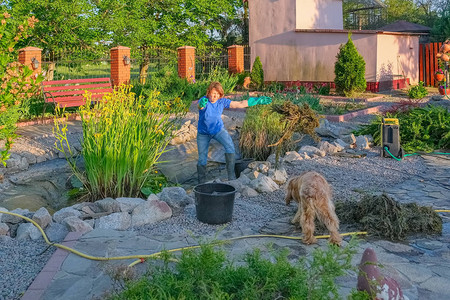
120, 65
235, 59
186, 62
31, 57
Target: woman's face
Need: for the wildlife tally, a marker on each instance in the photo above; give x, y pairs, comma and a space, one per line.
214, 95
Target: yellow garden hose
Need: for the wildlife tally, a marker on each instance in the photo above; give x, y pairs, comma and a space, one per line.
141, 258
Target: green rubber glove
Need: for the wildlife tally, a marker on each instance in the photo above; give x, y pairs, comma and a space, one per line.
259, 100
202, 102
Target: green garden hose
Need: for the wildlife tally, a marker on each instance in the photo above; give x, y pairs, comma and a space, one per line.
411, 154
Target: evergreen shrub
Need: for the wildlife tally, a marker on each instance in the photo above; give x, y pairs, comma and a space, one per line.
349, 70
257, 74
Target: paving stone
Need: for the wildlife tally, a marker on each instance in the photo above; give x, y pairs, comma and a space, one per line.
437, 284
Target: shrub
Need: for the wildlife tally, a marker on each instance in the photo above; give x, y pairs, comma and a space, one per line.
349, 70
17, 82
421, 129
123, 138
209, 274
257, 74
417, 91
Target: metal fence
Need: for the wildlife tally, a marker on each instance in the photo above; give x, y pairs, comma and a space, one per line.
208, 59
76, 63
79, 63
149, 60
247, 62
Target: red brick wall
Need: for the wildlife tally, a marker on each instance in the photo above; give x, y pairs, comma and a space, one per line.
26, 56
120, 72
235, 59
186, 62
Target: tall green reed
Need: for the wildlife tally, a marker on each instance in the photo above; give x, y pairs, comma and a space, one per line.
123, 138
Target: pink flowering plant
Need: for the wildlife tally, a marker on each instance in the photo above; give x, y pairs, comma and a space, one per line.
439, 71
17, 81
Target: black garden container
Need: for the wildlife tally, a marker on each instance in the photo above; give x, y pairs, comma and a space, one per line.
241, 165
214, 202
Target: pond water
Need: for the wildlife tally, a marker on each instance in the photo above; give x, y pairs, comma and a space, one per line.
42, 185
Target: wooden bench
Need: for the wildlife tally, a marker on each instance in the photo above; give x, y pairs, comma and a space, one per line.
70, 93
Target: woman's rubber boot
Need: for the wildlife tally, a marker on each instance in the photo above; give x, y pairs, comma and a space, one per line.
230, 160
201, 173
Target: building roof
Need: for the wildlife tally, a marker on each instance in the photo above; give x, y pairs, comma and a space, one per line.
403, 26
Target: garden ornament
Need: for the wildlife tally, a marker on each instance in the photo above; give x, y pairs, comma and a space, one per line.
371, 280
202, 102
259, 100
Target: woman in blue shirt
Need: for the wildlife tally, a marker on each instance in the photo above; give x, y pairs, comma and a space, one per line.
210, 126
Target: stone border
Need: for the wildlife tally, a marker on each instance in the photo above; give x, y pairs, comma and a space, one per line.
340, 98
39, 285
70, 117
348, 116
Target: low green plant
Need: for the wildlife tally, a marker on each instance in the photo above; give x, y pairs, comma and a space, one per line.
209, 274
123, 138
421, 129
167, 82
417, 91
257, 74
299, 99
322, 89
349, 70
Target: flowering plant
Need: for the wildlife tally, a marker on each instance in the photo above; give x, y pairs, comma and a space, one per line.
17, 82
439, 71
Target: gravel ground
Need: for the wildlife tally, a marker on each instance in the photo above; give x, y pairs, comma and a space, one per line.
349, 177
21, 261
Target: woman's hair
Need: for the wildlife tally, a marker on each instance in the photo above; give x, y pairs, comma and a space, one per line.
215, 86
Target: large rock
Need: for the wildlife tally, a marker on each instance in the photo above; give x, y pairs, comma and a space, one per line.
176, 198
362, 142
42, 217
64, 213
56, 232
310, 151
116, 221
328, 130
4, 229
14, 219
128, 204
28, 230
75, 224
108, 204
150, 212
278, 175
264, 184
327, 147
1, 215
292, 157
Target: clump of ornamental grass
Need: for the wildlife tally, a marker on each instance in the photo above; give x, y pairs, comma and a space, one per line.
207, 273
123, 138
261, 128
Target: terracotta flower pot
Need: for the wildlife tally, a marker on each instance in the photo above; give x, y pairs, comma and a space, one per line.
439, 77
443, 91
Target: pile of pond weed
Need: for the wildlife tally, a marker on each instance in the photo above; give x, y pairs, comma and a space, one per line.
382, 216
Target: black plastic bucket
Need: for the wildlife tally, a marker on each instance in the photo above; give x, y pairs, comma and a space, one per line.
214, 202
241, 165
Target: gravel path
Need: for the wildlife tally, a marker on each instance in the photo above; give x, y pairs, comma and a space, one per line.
21, 261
